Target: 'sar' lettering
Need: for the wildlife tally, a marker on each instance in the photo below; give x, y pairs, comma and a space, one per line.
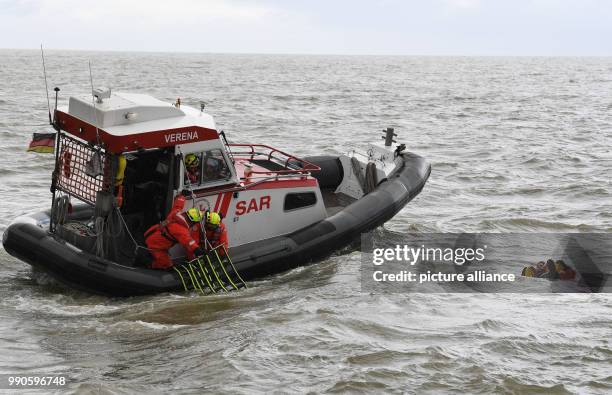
253, 205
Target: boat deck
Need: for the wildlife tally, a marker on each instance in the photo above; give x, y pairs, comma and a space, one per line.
335, 202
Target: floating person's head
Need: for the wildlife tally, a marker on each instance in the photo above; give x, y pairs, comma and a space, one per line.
551, 270
528, 271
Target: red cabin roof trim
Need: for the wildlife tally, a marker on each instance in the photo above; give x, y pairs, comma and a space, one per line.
134, 141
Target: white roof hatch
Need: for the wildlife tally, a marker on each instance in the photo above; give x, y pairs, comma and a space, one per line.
120, 109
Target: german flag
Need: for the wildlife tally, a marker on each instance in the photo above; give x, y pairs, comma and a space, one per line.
42, 143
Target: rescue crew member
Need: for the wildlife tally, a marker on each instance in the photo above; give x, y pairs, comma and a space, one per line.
119, 177
178, 228
192, 163
216, 234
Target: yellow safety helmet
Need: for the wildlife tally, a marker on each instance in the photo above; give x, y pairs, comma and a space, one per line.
194, 214
213, 218
191, 160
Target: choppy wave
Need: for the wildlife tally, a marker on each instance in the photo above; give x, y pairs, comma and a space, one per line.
514, 148
533, 225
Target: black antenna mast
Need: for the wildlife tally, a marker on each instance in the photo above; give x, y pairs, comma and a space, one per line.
93, 102
42, 54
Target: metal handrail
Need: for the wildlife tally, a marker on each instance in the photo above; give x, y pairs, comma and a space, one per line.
307, 167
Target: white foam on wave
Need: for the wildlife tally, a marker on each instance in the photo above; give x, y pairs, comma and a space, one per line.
137, 325
62, 305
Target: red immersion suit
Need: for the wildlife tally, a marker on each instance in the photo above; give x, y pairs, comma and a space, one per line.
217, 236
176, 229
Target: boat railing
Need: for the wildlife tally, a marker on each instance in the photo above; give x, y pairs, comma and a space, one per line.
289, 164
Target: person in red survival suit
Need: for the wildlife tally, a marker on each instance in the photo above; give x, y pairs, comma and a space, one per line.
178, 228
216, 234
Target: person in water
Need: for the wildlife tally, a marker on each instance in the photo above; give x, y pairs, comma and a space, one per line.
178, 228
216, 233
551, 271
539, 269
565, 272
528, 271
192, 163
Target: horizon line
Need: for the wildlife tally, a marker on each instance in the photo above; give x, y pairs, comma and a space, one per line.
274, 53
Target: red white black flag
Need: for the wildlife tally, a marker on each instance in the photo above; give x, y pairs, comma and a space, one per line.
42, 143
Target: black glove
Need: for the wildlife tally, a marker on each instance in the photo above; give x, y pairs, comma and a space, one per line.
199, 251
186, 193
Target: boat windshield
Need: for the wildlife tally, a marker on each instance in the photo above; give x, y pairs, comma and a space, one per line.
206, 167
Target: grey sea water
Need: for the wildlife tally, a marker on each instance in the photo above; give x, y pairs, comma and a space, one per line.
516, 145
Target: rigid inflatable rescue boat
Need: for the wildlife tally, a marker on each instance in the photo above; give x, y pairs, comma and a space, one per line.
119, 164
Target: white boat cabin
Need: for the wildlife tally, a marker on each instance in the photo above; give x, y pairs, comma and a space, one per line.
261, 192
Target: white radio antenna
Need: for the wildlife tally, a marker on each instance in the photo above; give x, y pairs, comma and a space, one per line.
94, 166
42, 54
93, 101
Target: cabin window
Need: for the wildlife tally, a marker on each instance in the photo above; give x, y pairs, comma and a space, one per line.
205, 167
294, 201
193, 168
